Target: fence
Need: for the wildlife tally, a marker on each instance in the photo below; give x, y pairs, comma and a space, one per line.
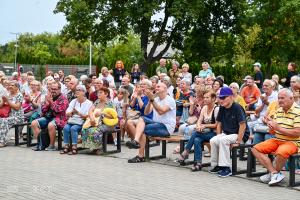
76, 70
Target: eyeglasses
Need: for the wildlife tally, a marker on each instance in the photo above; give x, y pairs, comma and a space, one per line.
55, 89
223, 97
79, 90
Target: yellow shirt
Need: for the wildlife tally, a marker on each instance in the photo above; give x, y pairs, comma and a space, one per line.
273, 106
240, 100
288, 120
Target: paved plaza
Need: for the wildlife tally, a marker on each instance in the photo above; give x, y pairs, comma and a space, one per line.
26, 174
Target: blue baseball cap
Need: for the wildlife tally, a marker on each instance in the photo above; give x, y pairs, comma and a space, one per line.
225, 92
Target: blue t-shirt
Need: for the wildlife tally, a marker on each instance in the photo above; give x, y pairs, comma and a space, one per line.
136, 107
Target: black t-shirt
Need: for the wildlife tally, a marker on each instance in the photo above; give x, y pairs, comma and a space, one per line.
135, 77
231, 118
118, 74
258, 76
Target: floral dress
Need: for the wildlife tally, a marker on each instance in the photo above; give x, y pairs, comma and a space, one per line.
92, 136
15, 117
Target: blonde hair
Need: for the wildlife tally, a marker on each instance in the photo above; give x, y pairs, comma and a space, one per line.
186, 65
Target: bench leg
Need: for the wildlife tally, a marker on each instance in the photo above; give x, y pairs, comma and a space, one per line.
147, 149
234, 160
104, 143
164, 149
17, 136
292, 162
59, 139
118, 141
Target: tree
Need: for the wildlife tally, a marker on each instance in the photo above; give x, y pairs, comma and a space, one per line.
244, 45
103, 20
280, 21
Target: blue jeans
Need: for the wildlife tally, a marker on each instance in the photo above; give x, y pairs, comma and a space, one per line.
153, 128
71, 130
197, 140
260, 137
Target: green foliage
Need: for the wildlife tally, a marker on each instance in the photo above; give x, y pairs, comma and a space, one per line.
244, 45
41, 72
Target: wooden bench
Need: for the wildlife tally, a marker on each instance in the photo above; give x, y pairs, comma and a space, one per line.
105, 141
28, 141
164, 140
251, 167
238, 152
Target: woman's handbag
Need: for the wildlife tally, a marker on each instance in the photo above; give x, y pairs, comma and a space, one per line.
4, 111
132, 114
75, 120
192, 120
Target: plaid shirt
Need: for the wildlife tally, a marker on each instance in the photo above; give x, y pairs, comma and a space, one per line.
58, 107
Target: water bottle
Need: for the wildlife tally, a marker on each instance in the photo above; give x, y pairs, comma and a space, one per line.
186, 134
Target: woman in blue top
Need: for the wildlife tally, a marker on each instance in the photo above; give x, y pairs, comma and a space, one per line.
206, 70
138, 104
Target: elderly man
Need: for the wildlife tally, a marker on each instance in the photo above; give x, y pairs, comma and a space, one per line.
162, 124
261, 109
286, 126
72, 86
231, 130
54, 115
162, 67
126, 85
250, 93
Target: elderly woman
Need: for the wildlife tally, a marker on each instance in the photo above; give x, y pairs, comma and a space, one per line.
168, 82
138, 103
237, 98
205, 130
196, 104
14, 100
105, 75
185, 74
206, 70
174, 72
93, 128
77, 112
217, 85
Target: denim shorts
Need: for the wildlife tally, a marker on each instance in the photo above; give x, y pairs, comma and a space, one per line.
44, 121
153, 128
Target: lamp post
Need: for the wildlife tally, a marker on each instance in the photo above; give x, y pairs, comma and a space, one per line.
16, 50
90, 55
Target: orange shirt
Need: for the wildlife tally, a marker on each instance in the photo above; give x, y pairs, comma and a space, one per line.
250, 94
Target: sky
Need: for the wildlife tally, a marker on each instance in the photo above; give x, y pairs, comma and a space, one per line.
34, 16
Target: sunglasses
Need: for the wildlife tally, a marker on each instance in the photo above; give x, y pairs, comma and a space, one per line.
223, 97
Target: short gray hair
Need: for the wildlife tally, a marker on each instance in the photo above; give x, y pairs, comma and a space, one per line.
287, 91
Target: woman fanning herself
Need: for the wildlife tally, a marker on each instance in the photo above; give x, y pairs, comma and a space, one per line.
95, 125
205, 130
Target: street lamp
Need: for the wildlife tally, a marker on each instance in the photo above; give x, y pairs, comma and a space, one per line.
90, 55
16, 50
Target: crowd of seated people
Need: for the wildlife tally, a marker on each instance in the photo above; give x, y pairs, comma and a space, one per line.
203, 108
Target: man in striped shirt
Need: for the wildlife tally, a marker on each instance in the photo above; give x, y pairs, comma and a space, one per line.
286, 127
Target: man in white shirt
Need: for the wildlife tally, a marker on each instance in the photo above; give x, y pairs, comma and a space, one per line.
162, 124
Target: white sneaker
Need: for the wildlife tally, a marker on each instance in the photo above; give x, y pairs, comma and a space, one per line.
265, 178
115, 142
276, 178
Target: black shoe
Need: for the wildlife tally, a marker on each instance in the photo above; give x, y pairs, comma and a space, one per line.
133, 144
215, 170
136, 159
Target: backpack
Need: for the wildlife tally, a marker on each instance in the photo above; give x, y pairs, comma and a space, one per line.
43, 139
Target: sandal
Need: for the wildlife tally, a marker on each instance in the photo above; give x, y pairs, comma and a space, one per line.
74, 150
196, 167
181, 159
136, 159
65, 150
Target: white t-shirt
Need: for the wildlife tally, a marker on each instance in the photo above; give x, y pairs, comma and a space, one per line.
109, 78
82, 108
169, 118
271, 98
